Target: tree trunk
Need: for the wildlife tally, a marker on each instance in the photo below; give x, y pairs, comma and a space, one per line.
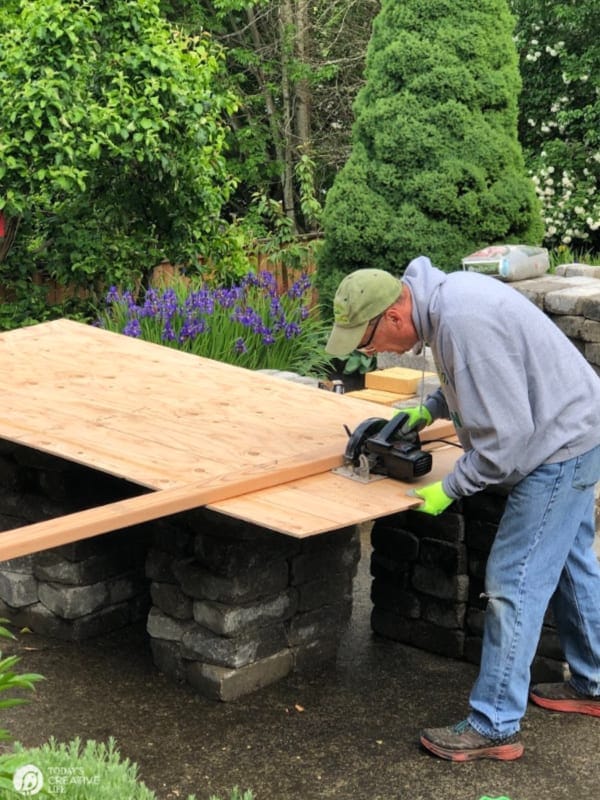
286, 28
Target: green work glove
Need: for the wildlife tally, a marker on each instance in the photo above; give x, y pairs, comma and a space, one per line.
418, 418
436, 499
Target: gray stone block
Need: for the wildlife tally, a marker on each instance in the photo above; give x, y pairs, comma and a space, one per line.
434, 639
447, 556
161, 626
321, 623
392, 598
229, 557
536, 289
169, 598
448, 526
313, 566
246, 587
227, 620
40, 619
592, 352
444, 613
71, 602
18, 588
22, 564
326, 591
167, 658
200, 644
591, 307
571, 300
480, 535
159, 566
125, 587
571, 326
396, 543
570, 270
437, 583
54, 568
388, 569
590, 330
219, 683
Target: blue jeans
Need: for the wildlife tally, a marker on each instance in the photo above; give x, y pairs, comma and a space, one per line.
542, 554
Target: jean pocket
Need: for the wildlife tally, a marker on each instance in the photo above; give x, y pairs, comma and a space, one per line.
587, 469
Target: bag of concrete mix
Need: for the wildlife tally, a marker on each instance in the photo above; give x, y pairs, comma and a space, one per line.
509, 262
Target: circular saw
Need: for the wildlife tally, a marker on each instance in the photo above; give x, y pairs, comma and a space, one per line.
378, 448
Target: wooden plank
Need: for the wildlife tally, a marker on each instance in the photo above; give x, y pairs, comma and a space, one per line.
379, 396
132, 511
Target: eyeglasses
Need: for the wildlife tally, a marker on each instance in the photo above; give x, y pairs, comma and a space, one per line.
366, 346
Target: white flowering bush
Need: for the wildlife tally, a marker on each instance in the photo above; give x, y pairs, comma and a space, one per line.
559, 46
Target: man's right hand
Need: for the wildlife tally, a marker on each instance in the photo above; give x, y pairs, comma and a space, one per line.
418, 418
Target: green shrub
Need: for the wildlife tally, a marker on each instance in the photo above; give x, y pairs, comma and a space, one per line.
93, 771
111, 143
436, 166
249, 324
559, 45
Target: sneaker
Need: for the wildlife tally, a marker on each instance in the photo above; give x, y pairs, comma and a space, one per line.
463, 743
563, 697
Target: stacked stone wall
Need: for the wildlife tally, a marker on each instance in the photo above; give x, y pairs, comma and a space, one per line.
571, 298
428, 582
79, 590
236, 607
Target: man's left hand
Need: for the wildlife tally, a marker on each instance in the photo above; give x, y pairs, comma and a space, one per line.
436, 499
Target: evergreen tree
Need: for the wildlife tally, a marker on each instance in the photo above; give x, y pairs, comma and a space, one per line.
436, 167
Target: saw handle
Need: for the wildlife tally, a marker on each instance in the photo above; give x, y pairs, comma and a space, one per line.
392, 431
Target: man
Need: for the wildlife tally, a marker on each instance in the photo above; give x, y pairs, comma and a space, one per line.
526, 407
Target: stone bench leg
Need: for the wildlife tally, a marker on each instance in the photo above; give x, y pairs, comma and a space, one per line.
236, 607
428, 578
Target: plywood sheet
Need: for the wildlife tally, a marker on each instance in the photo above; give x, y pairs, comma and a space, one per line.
328, 501
196, 431
156, 416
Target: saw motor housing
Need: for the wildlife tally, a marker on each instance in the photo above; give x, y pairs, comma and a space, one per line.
378, 447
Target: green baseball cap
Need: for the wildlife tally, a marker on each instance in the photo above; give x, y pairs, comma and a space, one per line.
361, 296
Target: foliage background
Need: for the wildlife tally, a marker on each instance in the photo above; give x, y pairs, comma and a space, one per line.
111, 144
559, 47
201, 131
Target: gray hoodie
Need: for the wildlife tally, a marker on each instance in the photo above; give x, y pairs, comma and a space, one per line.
518, 391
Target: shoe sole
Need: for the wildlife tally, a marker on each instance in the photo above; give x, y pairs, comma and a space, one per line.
500, 752
592, 708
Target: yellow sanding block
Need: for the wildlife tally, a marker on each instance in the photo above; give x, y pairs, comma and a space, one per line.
396, 379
